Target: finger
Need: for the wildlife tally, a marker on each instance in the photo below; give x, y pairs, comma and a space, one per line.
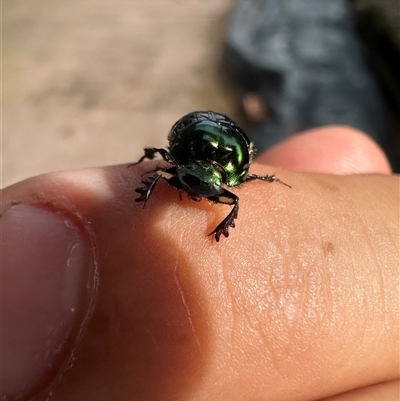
389, 391
300, 302
334, 150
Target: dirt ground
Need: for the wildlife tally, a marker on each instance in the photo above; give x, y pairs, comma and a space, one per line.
91, 82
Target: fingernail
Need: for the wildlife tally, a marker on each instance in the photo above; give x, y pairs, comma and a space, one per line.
45, 266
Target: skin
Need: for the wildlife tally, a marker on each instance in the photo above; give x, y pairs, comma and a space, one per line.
299, 303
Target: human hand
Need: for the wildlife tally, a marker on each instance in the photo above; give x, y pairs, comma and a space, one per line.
299, 303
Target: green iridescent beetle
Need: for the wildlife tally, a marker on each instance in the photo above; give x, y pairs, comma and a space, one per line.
206, 151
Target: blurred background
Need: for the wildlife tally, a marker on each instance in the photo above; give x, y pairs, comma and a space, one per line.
91, 82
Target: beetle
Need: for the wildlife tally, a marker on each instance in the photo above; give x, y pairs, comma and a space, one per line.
207, 151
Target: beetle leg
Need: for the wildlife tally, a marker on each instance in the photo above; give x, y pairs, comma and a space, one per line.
268, 178
168, 175
226, 198
150, 153
147, 189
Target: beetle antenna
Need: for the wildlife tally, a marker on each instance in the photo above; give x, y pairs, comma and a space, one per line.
281, 182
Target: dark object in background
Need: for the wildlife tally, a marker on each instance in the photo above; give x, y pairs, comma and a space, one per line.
307, 66
382, 41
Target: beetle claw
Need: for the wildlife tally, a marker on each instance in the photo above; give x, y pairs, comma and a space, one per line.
228, 221
147, 189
